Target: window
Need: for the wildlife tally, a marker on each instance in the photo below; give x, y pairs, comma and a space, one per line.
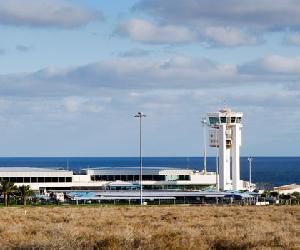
54, 179
110, 177
223, 119
101, 177
41, 179
33, 179
158, 177
47, 179
232, 119
13, 179
61, 179
184, 178
27, 179
238, 119
214, 120
68, 179
147, 177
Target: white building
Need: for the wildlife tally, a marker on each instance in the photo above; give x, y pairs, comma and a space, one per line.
225, 134
154, 177
41, 179
288, 189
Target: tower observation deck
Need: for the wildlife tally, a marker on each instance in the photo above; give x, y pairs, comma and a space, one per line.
225, 134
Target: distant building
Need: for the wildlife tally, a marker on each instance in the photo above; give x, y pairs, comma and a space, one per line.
287, 189
108, 178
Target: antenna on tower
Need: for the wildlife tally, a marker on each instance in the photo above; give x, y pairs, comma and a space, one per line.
224, 102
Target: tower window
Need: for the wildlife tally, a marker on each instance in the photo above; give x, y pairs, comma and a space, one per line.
232, 119
214, 120
223, 119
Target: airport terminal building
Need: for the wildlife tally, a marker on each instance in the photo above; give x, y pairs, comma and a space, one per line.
109, 178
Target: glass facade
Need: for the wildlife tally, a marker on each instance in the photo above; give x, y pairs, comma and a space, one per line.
224, 119
137, 177
36, 179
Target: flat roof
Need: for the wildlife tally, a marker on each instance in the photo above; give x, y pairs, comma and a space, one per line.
31, 169
137, 168
287, 187
136, 194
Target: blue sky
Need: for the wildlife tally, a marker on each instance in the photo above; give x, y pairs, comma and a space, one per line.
73, 74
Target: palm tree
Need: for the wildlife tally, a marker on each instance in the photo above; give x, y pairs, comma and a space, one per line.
6, 189
25, 192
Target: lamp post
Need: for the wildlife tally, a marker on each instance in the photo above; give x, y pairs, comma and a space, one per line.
250, 171
140, 115
204, 123
217, 161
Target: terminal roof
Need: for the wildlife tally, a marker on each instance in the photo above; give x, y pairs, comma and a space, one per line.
31, 169
136, 168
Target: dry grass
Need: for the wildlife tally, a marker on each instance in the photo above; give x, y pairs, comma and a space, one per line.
150, 228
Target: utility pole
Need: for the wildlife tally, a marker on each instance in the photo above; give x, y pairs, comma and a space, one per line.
140, 115
250, 171
204, 123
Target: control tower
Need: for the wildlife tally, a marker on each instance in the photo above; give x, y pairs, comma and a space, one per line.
225, 134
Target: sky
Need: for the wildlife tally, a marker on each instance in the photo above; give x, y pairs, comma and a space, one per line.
73, 73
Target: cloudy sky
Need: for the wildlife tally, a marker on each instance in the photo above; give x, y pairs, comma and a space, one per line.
73, 74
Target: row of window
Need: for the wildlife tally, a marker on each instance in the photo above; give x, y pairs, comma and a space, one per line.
36, 179
217, 120
160, 187
137, 178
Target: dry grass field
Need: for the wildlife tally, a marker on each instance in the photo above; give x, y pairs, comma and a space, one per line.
156, 227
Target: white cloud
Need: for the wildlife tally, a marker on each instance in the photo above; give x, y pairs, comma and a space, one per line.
135, 52
258, 14
147, 32
273, 64
136, 74
293, 39
227, 23
46, 13
81, 104
228, 36
175, 72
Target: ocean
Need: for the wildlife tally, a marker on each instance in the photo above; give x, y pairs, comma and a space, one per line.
274, 171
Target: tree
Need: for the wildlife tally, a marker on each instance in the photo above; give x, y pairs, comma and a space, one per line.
25, 192
6, 189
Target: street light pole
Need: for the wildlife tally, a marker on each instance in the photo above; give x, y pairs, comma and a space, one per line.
250, 171
140, 115
204, 123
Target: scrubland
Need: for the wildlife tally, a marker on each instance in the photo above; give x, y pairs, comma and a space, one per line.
157, 227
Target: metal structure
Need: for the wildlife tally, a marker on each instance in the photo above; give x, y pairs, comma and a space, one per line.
140, 115
250, 171
204, 124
